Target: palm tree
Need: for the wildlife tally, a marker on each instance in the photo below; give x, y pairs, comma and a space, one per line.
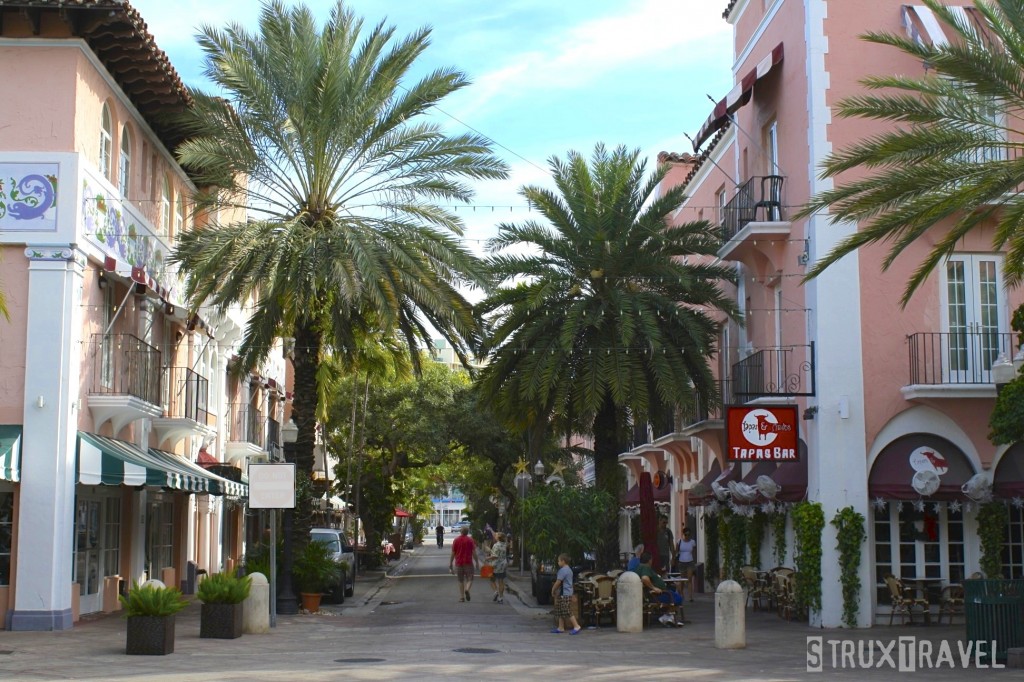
608, 314
322, 138
951, 153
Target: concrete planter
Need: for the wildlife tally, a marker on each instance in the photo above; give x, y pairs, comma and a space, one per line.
150, 636
221, 621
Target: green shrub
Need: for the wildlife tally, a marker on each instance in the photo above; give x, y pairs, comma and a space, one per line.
150, 600
315, 569
223, 588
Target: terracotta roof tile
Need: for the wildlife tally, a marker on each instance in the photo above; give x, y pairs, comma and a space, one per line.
728, 9
699, 161
120, 38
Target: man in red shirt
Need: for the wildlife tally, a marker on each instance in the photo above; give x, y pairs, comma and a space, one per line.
463, 562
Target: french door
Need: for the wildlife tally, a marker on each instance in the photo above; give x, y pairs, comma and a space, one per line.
97, 547
975, 315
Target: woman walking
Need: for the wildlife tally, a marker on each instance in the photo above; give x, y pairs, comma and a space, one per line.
499, 559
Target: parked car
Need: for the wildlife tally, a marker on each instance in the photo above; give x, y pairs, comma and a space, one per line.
458, 525
343, 551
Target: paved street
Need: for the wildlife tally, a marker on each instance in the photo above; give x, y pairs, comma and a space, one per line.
411, 626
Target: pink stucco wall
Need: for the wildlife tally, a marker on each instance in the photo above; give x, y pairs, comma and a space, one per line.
14, 284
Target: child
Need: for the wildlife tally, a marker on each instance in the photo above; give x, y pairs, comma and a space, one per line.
562, 593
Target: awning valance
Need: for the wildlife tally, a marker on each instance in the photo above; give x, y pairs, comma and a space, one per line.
737, 97
10, 452
792, 479
919, 465
1008, 479
714, 476
215, 484
109, 461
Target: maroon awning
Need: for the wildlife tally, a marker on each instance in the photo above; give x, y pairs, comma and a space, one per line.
713, 473
737, 97
401, 513
792, 478
1008, 481
762, 468
892, 473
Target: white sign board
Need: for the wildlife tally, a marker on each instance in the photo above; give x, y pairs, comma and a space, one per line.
271, 486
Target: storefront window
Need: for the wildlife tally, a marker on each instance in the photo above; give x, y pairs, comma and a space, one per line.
159, 537
6, 535
911, 542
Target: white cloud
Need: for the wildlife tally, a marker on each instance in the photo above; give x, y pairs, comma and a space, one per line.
652, 31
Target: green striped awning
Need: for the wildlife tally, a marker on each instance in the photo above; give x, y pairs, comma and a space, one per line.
10, 452
109, 461
217, 485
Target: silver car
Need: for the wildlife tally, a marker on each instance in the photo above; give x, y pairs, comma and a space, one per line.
337, 541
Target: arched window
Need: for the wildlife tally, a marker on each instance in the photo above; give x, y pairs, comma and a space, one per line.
124, 163
106, 141
179, 215
165, 209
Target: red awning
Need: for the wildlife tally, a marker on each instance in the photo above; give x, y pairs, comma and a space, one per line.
715, 475
893, 472
737, 97
401, 513
792, 479
1008, 481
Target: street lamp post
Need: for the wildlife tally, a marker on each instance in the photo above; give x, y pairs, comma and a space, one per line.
1003, 371
287, 603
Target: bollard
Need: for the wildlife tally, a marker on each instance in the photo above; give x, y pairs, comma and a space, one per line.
256, 607
730, 616
155, 583
629, 603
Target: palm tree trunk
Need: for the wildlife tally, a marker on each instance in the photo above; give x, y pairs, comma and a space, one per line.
609, 441
305, 361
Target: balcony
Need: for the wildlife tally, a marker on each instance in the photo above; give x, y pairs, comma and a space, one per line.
126, 380
754, 212
247, 434
186, 410
772, 373
955, 364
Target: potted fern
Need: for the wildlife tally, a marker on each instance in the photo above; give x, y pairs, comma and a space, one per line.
222, 595
316, 572
150, 610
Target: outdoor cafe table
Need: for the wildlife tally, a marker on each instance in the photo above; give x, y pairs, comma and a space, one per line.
922, 587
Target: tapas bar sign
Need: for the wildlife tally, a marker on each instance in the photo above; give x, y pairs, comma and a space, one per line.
756, 433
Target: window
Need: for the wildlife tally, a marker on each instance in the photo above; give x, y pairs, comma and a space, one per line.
975, 320
165, 209
771, 146
124, 163
106, 141
159, 538
179, 216
720, 202
918, 544
1013, 546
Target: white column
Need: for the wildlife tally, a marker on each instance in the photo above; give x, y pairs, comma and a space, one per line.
203, 523
53, 360
837, 448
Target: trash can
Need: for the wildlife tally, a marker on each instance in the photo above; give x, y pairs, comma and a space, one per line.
994, 612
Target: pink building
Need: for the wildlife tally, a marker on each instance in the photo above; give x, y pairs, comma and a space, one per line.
121, 433
892, 403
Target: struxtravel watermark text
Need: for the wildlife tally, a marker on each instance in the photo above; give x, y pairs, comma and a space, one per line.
905, 654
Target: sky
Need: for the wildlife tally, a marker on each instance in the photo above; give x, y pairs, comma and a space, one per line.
549, 76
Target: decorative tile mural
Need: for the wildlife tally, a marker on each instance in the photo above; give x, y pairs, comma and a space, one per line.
125, 236
28, 197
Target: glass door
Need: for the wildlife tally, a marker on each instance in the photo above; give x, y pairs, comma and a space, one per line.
975, 318
159, 538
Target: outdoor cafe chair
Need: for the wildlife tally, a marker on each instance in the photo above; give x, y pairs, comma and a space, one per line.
951, 602
603, 601
757, 590
904, 601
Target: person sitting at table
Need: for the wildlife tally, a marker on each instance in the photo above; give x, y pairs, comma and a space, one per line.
635, 559
660, 592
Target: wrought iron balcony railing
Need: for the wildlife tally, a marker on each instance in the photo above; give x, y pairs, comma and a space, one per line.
124, 364
784, 372
247, 425
188, 395
963, 357
758, 193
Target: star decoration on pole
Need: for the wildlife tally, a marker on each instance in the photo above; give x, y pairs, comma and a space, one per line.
521, 466
557, 470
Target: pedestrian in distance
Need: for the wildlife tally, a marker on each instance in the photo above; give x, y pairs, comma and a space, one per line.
440, 535
561, 591
634, 561
499, 559
686, 560
464, 562
666, 543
